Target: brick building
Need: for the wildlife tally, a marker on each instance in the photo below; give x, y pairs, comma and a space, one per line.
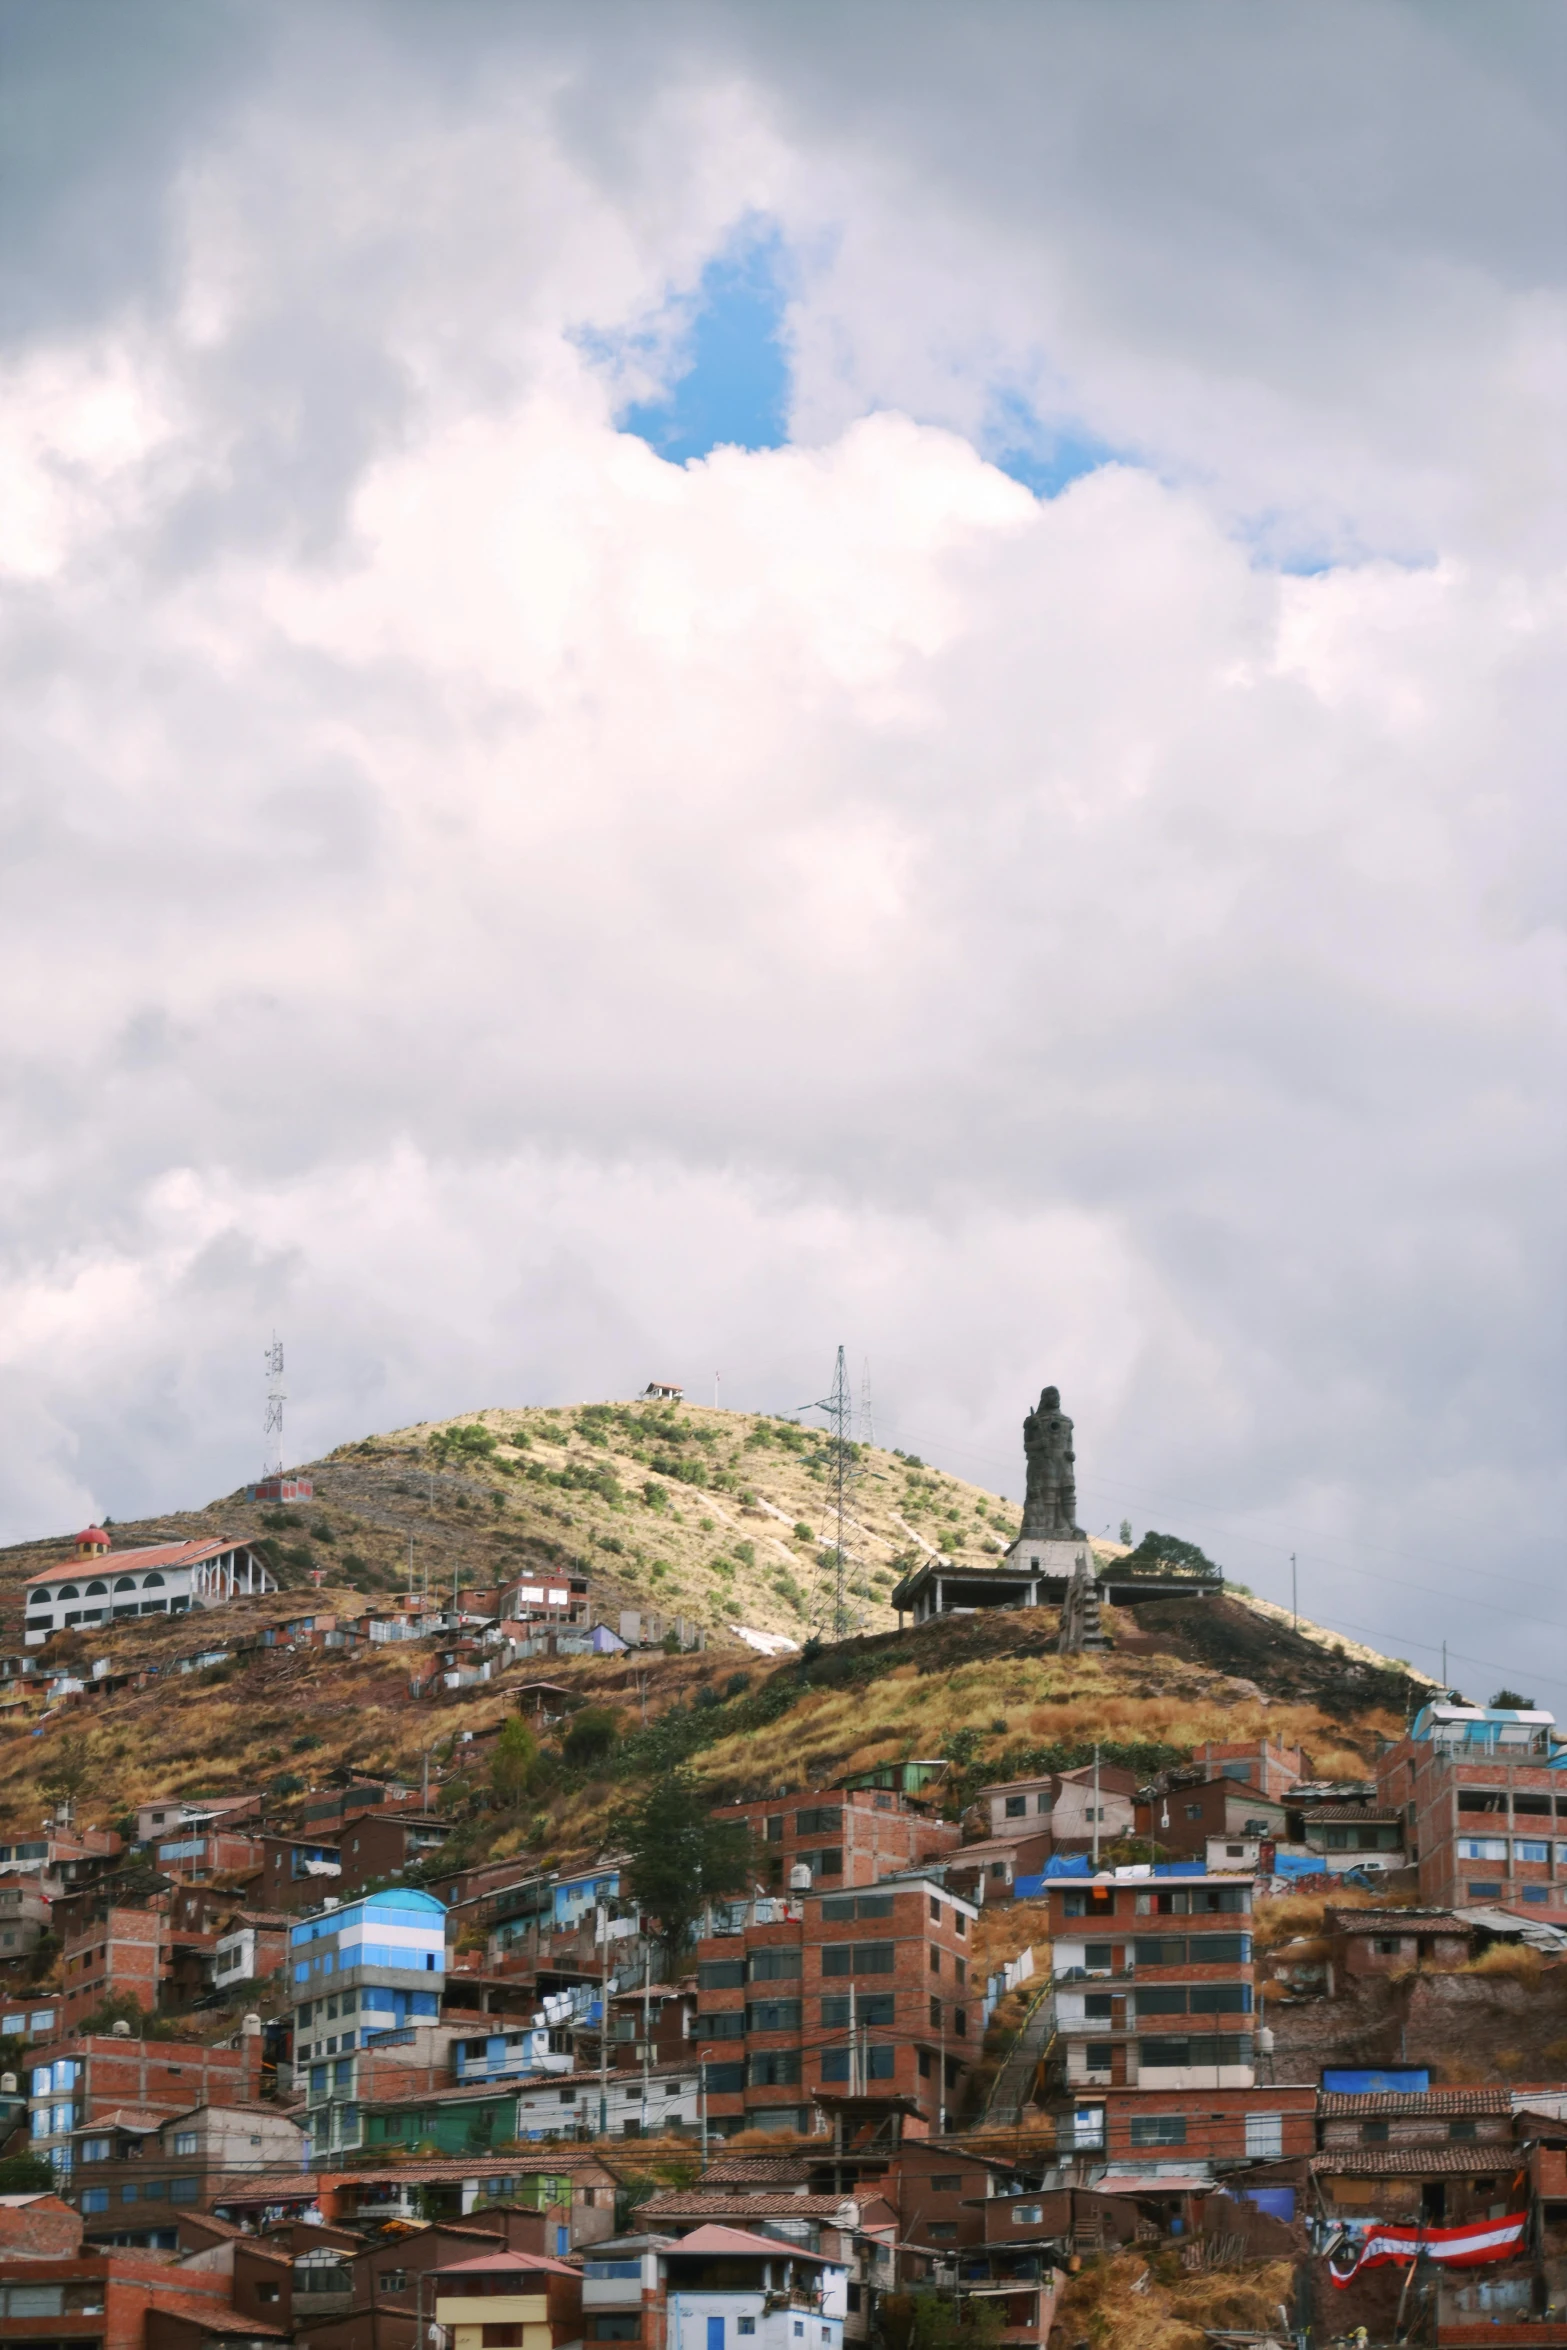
74, 2081
1219, 2128
1268, 1767
866, 1989
850, 1836
383, 1844
143, 2159
103, 2300
1485, 1814
294, 1872
122, 1952
1154, 1985
1183, 1820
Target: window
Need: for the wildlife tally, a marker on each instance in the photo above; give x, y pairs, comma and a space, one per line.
822, 1820
725, 2080
961, 1923
935, 1960
775, 1827
840, 1907
935, 2015
771, 1966
1373, 2133
95, 2149
1482, 1847
960, 2022
1194, 1811
1529, 1850
1537, 1893
857, 1958
1027, 2215
942, 2231
1462, 2132
1016, 1806
95, 2199
773, 2015
1098, 1957
870, 2007
1159, 2129
947, 2183
1488, 1891
1098, 2055
394, 2280
184, 2142
722, 1974
1265, 2136
747, 2325
721, 2027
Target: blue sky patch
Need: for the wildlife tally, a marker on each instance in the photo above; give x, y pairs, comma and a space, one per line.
1044, 458
733, 385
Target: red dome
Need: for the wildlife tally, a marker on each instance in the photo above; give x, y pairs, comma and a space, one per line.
92, 1538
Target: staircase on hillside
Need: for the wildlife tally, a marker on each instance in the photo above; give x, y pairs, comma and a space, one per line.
1012, 2089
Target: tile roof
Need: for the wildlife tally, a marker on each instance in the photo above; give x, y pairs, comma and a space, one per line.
766, 2169
1367, 1814
713, 2238
703, 2203
1415, 2162
1336, 2104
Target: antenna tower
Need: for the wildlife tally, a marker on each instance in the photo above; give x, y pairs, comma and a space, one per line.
867, 1427
839, 1407
272, 1429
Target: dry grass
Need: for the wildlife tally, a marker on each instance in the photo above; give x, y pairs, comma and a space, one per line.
1138, 2302
1512, 1959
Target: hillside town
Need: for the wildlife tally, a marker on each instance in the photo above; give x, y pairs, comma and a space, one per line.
290, 2061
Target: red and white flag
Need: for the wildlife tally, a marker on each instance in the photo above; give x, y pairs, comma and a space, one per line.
1466, 2247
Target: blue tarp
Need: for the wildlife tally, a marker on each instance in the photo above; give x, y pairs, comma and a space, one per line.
1298, 1864
1409, 2082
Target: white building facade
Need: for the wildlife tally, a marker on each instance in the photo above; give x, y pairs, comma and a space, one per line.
104, 1586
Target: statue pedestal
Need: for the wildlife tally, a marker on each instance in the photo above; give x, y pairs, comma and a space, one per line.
1052, 1558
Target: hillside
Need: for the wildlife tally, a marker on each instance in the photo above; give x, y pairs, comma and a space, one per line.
717, 1515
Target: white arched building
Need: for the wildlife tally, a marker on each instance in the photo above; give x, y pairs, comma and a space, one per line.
104, 1586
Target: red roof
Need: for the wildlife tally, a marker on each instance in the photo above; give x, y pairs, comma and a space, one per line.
491, 2263
94, 1535
714, 2238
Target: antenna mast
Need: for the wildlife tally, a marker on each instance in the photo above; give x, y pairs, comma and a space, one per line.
272, 1429
867, 1426
839, 1407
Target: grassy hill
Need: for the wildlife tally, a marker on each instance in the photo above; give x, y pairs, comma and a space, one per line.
719, 1516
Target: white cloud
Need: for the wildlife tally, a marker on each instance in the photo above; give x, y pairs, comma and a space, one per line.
526, 917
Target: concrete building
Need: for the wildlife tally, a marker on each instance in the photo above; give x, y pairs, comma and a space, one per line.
1154, 1984
852, 1990
1484, 1808
367, 1966
384, 1844
160, 1579
474, 2118
716, 2287
139, 2157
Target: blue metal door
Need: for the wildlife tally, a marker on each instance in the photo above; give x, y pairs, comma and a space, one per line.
715, 2333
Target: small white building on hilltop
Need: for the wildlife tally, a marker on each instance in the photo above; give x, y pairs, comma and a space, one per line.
104, 1586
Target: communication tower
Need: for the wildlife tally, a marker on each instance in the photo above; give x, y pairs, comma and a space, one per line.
839, 1408
272, 1426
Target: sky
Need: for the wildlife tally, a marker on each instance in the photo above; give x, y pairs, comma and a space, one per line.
684, 684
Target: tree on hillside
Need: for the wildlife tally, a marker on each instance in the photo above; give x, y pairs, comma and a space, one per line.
592, 1735
680, 1857
512, 1763
68, 1773
1168, 1550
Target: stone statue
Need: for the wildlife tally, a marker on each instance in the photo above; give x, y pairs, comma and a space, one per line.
1050, 1503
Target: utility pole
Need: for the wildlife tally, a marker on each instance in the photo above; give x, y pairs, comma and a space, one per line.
1096, 1811
1294, 1597
647, 2044
1444, 1667
854, 2045
603, 1916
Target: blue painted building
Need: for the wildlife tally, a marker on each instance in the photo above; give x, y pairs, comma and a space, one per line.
359, 1969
